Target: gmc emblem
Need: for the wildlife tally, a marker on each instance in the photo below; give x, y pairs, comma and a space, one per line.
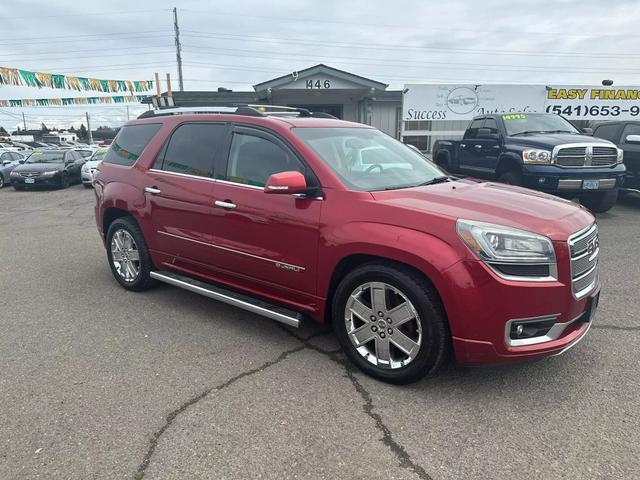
592, 246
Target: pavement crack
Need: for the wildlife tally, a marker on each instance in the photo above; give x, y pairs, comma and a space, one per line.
404, 459
153, 443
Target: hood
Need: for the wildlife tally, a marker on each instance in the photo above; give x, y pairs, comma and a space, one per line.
92, 163
494, 203
550, 140
39, 167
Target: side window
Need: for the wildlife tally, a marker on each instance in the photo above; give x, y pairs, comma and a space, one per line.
252, 159
5, 156
191, 149
491, 124
473, 128
608, 132
130, 142
630, 129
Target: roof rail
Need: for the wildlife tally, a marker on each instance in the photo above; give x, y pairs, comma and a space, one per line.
252, 110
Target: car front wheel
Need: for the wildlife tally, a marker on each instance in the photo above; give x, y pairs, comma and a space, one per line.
390, 323
128, 255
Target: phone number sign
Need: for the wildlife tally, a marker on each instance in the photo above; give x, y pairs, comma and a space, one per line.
593, 103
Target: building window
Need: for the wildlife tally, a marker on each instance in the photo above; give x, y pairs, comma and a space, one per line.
423, 143
417, 125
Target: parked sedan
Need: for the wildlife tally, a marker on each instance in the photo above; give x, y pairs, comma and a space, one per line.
53, 168
8, 161
89, 168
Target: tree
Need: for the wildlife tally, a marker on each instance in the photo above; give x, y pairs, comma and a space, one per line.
3, 132
44, 129
72, 128
83, 131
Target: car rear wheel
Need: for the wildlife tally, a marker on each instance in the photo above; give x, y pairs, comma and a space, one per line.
87, 185
128, 255
599, 202
389, 323
1, 181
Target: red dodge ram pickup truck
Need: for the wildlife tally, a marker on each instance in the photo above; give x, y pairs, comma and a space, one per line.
289, 214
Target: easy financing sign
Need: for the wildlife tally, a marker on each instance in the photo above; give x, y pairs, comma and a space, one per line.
463, 102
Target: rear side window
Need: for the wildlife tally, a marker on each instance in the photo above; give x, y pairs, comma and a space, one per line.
130, 143
491, 124
192, 149
472, 131
608, 132
630, 129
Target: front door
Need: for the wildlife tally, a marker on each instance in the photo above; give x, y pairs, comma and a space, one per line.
269, 241
179, 190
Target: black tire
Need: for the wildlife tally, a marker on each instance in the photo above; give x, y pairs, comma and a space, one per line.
64, 180
1, 181
435, 342
511, 177
18, 187
143, 280
599, 202
87, 185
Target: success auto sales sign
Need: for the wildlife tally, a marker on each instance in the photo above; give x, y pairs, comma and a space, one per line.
463, 102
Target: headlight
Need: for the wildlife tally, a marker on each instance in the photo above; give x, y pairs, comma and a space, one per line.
536, 156
620, 158
50, 173
512, 253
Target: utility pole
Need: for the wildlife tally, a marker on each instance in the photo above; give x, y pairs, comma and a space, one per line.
176, 31
89, 129
24, 122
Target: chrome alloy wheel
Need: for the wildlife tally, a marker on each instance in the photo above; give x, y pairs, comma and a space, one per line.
125, 255
383, 325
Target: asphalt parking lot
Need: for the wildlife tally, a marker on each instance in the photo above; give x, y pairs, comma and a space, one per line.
97, 382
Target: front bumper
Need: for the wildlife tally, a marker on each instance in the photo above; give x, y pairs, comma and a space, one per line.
482, 306
87, 178
553, 179
39, 181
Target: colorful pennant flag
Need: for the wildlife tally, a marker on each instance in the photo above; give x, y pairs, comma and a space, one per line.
48, 102
18, 77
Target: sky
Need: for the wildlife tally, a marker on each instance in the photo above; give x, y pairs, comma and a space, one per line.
241, 43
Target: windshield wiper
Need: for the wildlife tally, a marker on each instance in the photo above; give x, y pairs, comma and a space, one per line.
433, 181
562, 131
525, 132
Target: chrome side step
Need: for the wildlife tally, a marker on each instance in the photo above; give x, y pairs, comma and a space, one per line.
254, 305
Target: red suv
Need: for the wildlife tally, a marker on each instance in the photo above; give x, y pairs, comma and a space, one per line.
289, 215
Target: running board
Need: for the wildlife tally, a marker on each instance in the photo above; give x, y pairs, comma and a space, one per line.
251, 304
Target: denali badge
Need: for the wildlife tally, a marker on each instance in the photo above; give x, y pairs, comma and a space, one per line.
286, 266
592, 247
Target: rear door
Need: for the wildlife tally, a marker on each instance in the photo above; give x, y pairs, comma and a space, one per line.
631, 150
468, 145
179, 191
487, 153
266, 240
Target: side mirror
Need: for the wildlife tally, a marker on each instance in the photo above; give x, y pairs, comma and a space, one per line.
632, 139
286, 182
22, 160
587, 131
486, 133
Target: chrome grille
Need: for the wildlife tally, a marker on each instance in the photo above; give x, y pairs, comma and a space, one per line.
30, 174
585, 156
584, 249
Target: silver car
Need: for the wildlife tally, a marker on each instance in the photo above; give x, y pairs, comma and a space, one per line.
89, 168
9, 159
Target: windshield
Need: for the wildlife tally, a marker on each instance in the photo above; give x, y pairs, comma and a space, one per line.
367, 159
46, 157
99, 155
521, 124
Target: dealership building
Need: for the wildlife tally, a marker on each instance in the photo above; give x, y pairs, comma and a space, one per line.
345, 95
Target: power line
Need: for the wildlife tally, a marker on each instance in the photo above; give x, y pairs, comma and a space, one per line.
44, 42
394, 62
297, 20
49, 37
378, 46
102, 14
47, 56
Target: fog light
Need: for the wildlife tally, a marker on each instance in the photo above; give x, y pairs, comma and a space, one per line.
519, 330
542, 180
531, 328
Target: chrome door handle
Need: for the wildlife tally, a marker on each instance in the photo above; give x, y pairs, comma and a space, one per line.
152, 190
224, 204
478, 147
463, 145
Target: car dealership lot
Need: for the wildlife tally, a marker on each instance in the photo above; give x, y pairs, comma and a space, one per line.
98, 382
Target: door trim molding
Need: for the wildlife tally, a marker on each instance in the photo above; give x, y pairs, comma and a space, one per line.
277, 263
